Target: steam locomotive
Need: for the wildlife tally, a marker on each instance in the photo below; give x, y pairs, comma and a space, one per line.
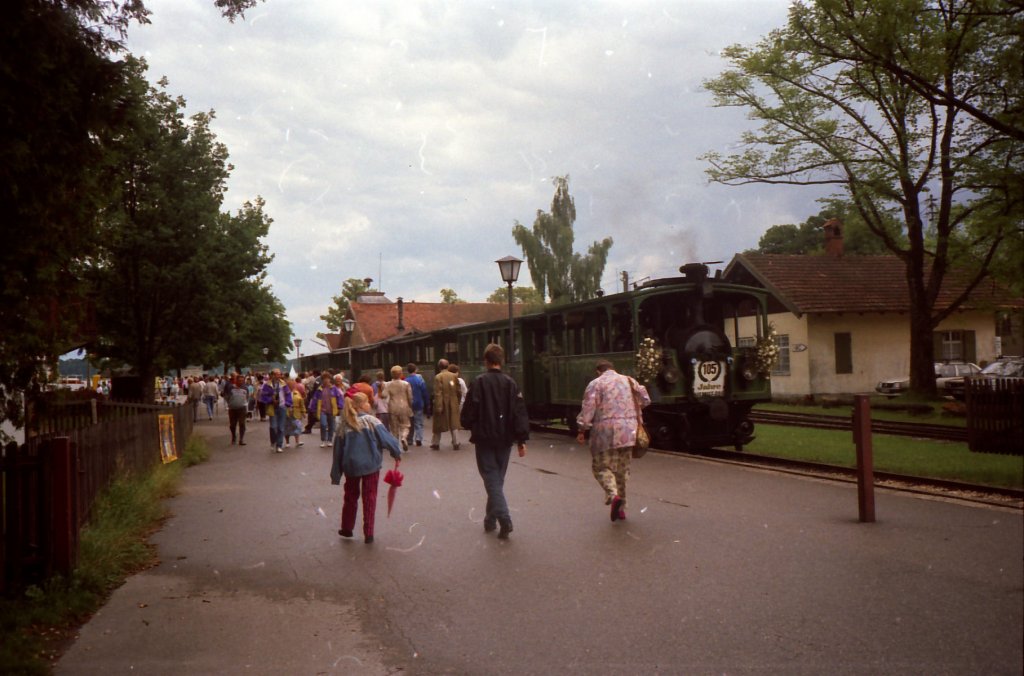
702, 333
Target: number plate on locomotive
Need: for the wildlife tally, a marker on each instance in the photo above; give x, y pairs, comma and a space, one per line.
709, 378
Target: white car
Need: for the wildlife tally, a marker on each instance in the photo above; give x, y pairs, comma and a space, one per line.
72, 383
1004, 367
943, 373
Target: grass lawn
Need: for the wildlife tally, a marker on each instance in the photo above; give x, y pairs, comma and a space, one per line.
899, 455
881, 409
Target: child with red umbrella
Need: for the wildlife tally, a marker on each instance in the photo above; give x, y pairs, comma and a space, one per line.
358, 454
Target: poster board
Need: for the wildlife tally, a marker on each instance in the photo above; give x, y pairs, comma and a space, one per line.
168, 450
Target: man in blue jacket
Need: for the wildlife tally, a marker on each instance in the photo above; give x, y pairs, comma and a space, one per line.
420, 404
495, 414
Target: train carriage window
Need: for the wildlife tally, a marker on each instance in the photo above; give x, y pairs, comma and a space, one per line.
622, 327
557, 337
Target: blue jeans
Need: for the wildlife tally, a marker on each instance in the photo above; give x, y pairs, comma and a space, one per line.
326, 427
209, 401
492, 462
277, 426
416, 431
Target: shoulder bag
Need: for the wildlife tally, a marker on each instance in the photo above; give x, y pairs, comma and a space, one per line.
643, 440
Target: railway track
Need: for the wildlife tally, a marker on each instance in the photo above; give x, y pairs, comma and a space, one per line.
989, 495
830, 422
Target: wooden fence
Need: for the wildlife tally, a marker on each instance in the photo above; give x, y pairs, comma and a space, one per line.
49, 484
995, 415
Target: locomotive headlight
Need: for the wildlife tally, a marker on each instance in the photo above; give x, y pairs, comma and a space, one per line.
749, 373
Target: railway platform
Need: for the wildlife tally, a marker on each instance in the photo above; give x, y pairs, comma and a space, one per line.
719, 569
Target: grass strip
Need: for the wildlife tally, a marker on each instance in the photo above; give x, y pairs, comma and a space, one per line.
948, 460
37, 625
880, 410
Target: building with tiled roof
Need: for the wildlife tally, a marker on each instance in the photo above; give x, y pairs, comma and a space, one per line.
377, 319
843, 321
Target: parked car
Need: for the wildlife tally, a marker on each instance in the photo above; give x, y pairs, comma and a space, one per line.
944, 372
72, 383
1004, 367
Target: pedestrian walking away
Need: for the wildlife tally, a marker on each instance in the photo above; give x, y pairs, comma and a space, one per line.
420, 403
236, 395
358, 455
399, 397
610, 411
446, 405
210, 395
495, 415
277, 398
312, 386
195, 396
380, 401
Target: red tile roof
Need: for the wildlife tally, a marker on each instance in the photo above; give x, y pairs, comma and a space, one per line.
862, 284
379, 321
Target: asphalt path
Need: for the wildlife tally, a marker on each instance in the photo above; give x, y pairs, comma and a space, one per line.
718, 569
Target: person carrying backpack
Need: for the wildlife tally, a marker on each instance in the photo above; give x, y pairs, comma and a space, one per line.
236, 394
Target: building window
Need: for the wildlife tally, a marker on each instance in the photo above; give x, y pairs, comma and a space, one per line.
782, 366
746, 341
954, 346
844, 353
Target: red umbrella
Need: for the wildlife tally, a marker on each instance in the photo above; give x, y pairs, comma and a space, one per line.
393, 477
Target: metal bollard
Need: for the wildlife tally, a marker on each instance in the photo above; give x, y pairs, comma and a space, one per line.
865, 461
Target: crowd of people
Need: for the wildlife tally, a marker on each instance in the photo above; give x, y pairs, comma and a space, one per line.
362, 420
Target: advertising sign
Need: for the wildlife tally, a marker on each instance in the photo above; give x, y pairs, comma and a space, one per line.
168, 451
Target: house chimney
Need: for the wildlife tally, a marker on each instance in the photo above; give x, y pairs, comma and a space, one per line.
401, 314
833, 238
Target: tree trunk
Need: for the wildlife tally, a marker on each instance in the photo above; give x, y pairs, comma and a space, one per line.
922, 352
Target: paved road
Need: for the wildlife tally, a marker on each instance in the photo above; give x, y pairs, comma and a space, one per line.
719, 569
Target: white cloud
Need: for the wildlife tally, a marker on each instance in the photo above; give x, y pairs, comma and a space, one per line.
402, 139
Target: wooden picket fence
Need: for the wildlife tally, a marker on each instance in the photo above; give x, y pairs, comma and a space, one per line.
995, 415
49, 484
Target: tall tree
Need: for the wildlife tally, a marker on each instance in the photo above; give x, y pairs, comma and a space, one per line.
169, 261
808, 237
59, 95
833, 113
523, 295
350, 290
450, 297
256, 321
557, 272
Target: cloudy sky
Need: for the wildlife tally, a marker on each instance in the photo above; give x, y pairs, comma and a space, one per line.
401, 140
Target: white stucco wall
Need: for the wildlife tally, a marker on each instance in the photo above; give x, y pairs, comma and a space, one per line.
880, 349
788, 324
880, 346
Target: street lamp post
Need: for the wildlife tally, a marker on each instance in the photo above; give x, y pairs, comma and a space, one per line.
509, 267
349, 325
266, 351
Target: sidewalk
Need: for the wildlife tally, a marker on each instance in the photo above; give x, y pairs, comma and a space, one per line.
194, 614
718, 569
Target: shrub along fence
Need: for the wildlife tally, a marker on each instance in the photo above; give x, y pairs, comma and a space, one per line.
995, 415
49, 484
